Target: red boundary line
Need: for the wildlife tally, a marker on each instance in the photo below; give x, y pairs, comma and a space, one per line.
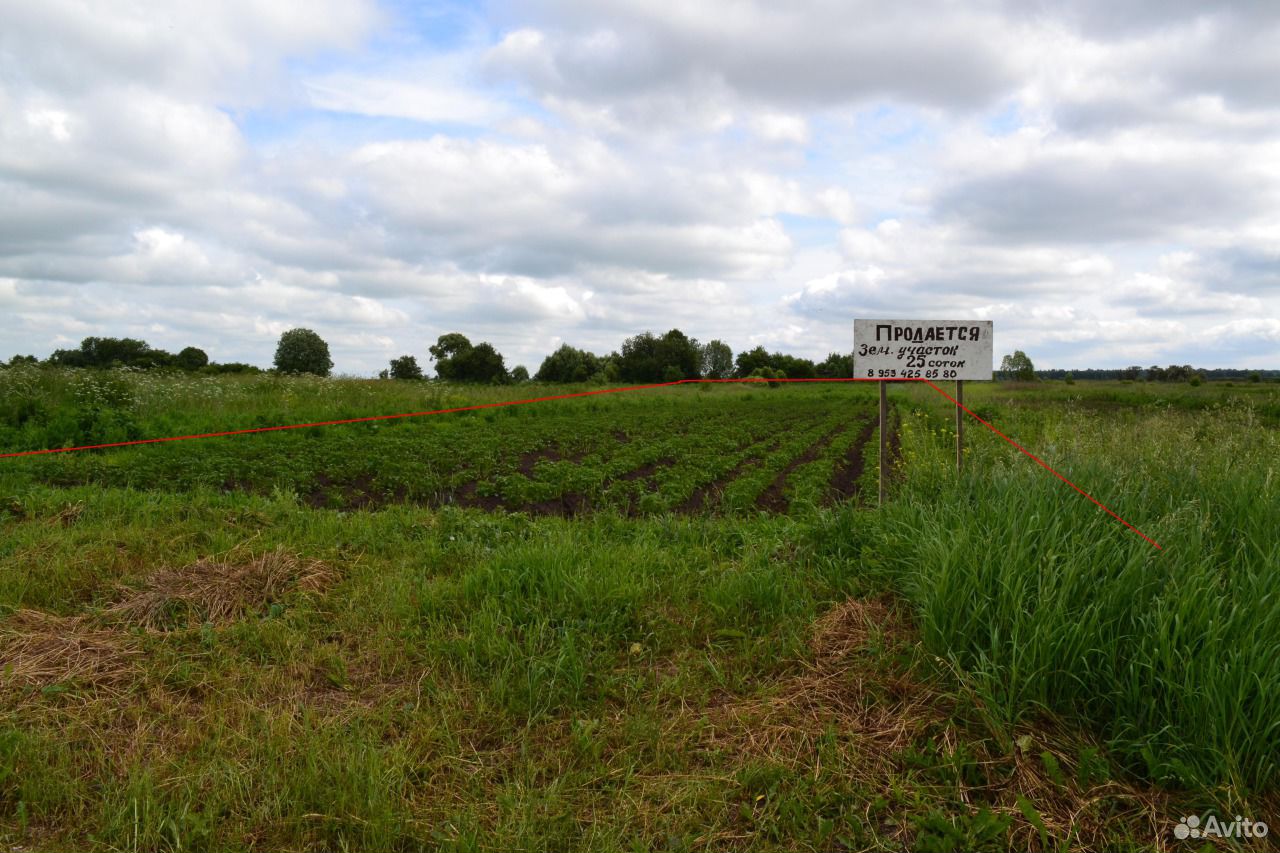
503, 403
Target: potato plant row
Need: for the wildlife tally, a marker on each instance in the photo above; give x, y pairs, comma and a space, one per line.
690, 452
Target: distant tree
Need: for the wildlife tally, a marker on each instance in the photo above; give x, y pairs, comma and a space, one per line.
1255, 376
18, 360
459, 361
303, 351
768, 373
648, 358
519, 373
192, 358
749, 361
1069, 379
405, 367
1018, 366
836, 366
482, 363
446, 351
717, 360
1155, 373
111, 352
384, 374
1133, 372
1195, 380
792, 367
568, 364
233, 367
1178, 373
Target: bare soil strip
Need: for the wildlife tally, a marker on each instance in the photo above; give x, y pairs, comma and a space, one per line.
773, 498
844, 484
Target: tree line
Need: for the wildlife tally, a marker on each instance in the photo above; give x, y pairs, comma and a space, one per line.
642, 358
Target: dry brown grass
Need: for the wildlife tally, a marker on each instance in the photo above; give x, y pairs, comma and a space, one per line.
217, 591
42, 650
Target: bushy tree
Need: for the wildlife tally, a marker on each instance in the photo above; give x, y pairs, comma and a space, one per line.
303, 351
1155, 373
749, 361
459, 361
192, 358
1018, 366
648, 358
836, 366
792, 367
19, 360
446, 350
568, 364
233, 367
717, 360
405, 367
519, 373
769, 373
112, 352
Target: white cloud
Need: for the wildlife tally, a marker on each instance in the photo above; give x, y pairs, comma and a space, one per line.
1099, 178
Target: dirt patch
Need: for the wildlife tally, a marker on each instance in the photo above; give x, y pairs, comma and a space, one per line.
43, 651
844, 483
529, 459
648, 469
359, 493
217, 592
773, 497
468, 496
567, 505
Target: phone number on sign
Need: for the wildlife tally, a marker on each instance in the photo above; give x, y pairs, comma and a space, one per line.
894, 373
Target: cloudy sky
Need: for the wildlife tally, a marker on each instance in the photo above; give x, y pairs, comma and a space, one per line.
1101, 178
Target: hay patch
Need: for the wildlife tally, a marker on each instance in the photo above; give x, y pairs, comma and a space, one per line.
41, 650
218, 592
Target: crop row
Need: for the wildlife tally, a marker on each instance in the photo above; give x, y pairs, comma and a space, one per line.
695, 453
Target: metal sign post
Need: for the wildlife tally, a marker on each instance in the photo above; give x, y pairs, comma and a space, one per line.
884, 439
885, 350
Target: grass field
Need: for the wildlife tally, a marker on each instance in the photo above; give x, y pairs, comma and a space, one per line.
663, 619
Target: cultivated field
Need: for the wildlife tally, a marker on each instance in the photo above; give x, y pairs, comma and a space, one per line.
663, 619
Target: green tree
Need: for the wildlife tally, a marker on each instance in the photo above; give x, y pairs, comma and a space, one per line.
1255, 376
749, 361
519, 373
111, 352
836, 366
482, 363
192, 358
717, 360
568, 364
1018, 366
405, 367
303, 351
23, 359
459, 361
648, 358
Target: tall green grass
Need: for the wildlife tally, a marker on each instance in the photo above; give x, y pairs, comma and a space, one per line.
1049, 604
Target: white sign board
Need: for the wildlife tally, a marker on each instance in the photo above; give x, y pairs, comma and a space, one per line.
922, 349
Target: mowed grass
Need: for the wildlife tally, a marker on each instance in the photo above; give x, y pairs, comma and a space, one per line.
986, 663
